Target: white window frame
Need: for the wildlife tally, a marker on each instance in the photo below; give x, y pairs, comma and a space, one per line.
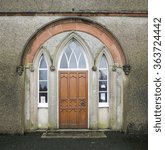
43, 104
103, 104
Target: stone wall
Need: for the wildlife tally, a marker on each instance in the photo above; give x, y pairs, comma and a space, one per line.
73, 6
131, 33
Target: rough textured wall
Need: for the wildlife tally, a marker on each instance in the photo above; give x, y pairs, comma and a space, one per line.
11, 93
14, 34
73, 5
132, 35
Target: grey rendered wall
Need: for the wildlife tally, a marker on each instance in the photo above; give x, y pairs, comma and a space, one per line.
133, 37
73, 5
131, 32
14, 33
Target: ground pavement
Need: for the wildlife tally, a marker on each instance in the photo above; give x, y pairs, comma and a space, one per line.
114, 141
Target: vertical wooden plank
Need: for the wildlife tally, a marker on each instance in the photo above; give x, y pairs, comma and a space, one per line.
72, 113
72, 85
82, 100
63, 99
63, 85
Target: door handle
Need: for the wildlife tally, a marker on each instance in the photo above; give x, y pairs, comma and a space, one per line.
83, 103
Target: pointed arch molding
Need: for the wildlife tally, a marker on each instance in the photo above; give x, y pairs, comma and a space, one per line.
73, 24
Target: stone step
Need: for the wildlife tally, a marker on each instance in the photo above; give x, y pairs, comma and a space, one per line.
74, 134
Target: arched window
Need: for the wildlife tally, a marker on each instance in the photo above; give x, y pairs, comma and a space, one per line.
73, 57
43, 82
103, 81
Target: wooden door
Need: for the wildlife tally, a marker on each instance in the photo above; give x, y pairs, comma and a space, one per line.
73, 99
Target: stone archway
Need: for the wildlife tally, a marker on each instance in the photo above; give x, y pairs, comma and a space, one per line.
70, 25
73, 24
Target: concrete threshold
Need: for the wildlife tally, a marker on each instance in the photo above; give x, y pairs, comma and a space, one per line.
74, 133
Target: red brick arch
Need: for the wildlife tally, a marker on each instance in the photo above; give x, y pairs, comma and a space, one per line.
73, 24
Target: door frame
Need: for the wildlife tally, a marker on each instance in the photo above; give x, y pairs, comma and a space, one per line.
58, 100
89, 61
77, 70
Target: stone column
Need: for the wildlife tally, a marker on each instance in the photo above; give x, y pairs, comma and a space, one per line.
119, 98
93, 109
53, 98
27, 100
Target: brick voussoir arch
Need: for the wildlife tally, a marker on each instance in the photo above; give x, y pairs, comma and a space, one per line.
73, 24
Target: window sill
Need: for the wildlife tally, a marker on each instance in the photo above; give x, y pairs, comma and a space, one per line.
43, 105
101, 105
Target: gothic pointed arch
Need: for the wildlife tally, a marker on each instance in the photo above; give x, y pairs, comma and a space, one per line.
73, 56
81, 52
42, 52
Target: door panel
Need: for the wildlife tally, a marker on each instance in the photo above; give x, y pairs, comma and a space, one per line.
73, 99
82, 85
82, 117
64, 86
73, 85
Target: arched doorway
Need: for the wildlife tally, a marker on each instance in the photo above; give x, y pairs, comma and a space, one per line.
73, 87
77, 96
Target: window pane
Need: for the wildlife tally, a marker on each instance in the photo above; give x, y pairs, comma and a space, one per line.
102, 97
73, 57
103, 74
43, 86
78, 52
72, 45
43, 63
73, 63
43, 98
64, 63
42, 74
68, 52
103, 62
102, 85
82, 62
